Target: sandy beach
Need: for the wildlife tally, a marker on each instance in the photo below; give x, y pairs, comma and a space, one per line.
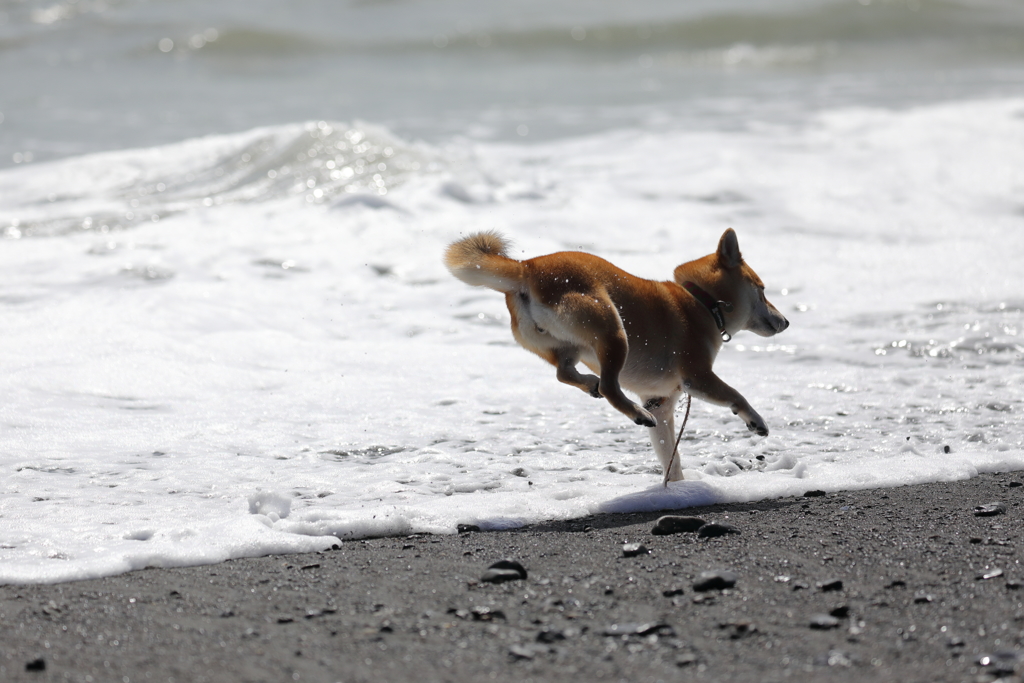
907, 584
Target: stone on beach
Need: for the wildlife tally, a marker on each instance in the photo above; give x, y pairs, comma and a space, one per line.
718, 579
823, 622
504, 570
990, 510
674, 524
634, 549
715, 529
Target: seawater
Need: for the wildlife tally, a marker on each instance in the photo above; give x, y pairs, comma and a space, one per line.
79, 76
228, 332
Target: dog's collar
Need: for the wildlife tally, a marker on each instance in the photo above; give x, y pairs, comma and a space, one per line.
714, 307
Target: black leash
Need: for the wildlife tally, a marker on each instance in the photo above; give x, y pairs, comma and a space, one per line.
675, 449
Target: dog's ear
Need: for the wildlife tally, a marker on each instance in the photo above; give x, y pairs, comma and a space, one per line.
729, 255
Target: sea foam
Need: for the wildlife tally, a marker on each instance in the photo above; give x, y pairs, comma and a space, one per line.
261, 369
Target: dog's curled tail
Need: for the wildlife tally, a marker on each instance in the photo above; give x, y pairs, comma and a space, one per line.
482, 260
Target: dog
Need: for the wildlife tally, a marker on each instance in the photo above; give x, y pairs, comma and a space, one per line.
655, 339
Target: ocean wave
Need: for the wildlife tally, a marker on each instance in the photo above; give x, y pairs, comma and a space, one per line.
317, 162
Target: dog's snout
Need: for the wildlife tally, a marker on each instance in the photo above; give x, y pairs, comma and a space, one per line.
784, 325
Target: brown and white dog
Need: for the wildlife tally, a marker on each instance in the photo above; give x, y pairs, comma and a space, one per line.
656, 339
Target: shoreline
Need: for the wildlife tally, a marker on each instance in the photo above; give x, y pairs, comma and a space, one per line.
884, 584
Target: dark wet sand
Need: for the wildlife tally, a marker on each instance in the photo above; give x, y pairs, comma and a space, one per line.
910, 561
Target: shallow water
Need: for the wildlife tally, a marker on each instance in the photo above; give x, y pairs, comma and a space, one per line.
240, 344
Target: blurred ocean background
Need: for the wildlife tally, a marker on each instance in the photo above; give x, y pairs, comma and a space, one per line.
225, 328
90, 75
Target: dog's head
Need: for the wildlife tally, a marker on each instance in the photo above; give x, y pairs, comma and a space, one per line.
728, 278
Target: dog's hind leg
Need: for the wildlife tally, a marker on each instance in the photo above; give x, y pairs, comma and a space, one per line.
611, 354
567, 372
663, 437
594, 322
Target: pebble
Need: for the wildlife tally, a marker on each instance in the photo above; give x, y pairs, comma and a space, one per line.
313, 613
500, 576
989, 510
550, 635
814, 494
990, 574
738, 629
714, 529
715, 580
36, 665
674, 524
823, 622
672, 592
840, 612
686, 659
923, 598
830, 585
634, 549
1003, 663
639, 629
504, 570
466, 528
527, 651
834, 658
487, 614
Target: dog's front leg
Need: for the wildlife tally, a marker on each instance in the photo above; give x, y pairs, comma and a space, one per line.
663, 437
709, 387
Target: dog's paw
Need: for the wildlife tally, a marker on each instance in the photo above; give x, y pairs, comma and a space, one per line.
645, 419
761, 429
595, 392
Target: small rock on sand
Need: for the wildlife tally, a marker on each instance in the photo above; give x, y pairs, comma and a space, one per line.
718, 579
989, 574
504, 570
715, 529
823, 622
989, 510
674, 524
639, 629
634, 549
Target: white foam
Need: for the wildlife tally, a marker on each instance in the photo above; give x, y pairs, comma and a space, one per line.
268, 374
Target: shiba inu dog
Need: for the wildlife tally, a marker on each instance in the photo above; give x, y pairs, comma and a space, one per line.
656, 339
